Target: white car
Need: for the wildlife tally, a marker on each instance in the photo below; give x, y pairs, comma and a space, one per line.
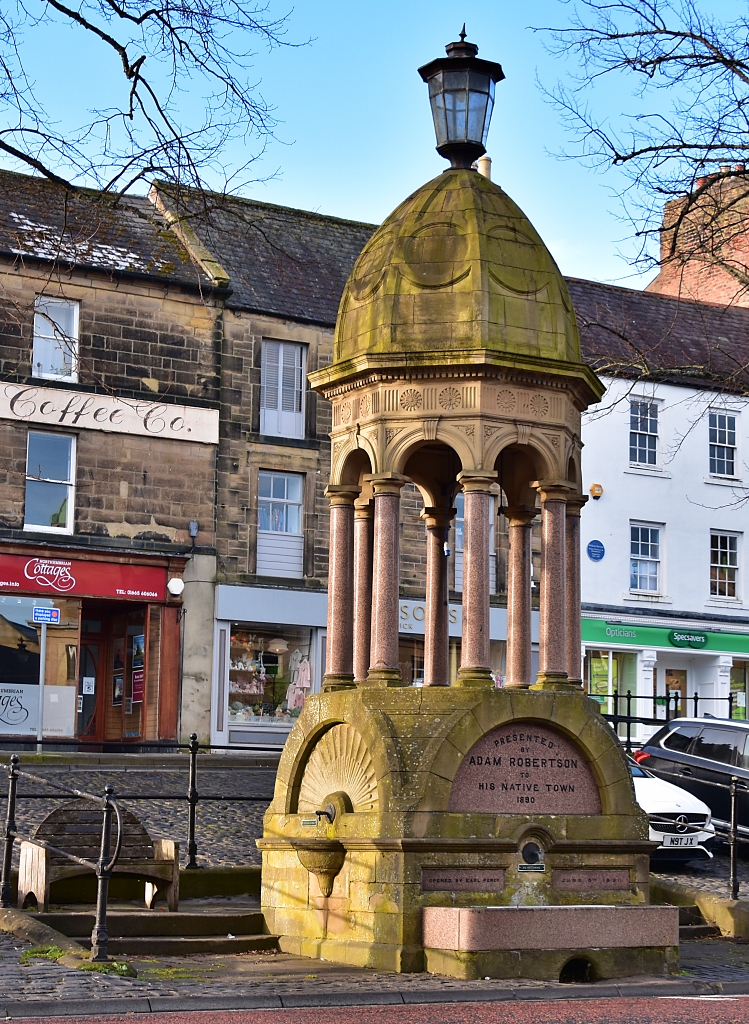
679, 822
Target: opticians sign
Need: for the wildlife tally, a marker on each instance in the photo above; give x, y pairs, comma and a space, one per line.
53, 407
62, 577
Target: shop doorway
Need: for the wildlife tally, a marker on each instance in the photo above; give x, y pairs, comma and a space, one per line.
676, 690
112, 691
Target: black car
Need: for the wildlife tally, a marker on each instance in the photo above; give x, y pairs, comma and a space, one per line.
696, 753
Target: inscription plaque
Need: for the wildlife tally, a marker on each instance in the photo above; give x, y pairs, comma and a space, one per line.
462, 880
525, 768
586, 880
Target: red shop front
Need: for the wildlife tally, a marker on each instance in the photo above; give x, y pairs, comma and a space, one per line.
112, 660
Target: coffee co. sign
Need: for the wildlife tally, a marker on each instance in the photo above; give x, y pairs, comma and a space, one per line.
53, 407
61, 577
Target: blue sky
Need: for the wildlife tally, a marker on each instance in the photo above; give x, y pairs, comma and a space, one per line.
355, 134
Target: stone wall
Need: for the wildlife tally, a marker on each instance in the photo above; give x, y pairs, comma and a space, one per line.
138, 340
243, 450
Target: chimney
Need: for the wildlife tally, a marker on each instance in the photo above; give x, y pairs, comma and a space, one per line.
485, 166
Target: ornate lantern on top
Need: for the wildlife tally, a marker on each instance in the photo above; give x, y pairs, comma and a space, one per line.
461, 93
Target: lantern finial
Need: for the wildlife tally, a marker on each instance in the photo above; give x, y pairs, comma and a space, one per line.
463, 33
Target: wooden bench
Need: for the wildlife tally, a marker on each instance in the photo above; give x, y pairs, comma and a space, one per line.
76, 828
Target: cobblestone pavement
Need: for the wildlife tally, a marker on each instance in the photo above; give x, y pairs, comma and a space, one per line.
282, 974
707, 875
226, 831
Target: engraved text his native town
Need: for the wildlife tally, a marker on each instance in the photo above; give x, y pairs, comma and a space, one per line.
522, 768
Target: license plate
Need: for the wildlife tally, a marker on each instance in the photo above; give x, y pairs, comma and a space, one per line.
680, 840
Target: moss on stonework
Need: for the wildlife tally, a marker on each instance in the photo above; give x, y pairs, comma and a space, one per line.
456, 274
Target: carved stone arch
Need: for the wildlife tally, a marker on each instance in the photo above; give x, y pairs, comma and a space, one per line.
355, 463
572, 456
496, 437
413, 437
533, 438
553, 457
341, 445
593, 738
368, 741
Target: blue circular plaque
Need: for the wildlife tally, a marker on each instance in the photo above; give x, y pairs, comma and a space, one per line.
596, 550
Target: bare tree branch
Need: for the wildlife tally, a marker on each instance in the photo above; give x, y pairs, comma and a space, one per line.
685, 143
166, 52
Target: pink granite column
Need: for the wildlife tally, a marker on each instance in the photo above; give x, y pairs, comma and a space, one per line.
339, 671
436, 627
363, 544
520, 522
552, 672
384, 669
475, 664
572, 555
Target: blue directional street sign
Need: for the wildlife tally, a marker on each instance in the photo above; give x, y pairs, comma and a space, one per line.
46, 615
596, 551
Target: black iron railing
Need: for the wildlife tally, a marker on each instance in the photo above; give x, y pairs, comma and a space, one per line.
102, 868
730, 832
191, 796
626, 706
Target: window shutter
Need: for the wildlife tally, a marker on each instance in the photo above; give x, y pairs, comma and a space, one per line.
291, 381
269, 375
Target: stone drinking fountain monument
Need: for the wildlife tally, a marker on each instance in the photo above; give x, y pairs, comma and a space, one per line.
463, 830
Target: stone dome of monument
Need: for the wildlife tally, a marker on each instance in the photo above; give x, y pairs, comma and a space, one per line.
457, 274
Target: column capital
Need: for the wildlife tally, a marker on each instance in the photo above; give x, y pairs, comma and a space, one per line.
364, 509
386, 483
553, 490
342, 494
477, 479
575, 503
520, 515
437, 518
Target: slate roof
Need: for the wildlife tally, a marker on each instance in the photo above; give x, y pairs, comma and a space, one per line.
281, 261
294, 264
625, 332
40, 220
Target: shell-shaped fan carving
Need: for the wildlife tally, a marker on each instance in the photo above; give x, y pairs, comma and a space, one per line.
339, 762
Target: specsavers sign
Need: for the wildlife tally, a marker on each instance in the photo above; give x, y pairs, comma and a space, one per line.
597, 631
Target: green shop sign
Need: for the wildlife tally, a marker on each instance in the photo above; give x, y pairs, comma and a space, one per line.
607, 634
687, 638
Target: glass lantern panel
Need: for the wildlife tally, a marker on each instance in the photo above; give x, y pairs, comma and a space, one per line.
479, 83
477, 103
437, 100
456, 80
488, 118
456, 111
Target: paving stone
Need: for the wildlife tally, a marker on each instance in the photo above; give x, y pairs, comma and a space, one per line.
707, 875
226, 831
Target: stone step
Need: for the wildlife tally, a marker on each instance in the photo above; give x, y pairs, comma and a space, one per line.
690, 915
146, 924
174, 945
698, 931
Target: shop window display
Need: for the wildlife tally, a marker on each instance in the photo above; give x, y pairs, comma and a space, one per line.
739, 688
270, 673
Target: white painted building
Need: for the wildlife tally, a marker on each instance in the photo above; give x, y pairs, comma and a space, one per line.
664, 595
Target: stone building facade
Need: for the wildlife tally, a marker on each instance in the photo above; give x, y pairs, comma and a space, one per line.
218, 310
109, 423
